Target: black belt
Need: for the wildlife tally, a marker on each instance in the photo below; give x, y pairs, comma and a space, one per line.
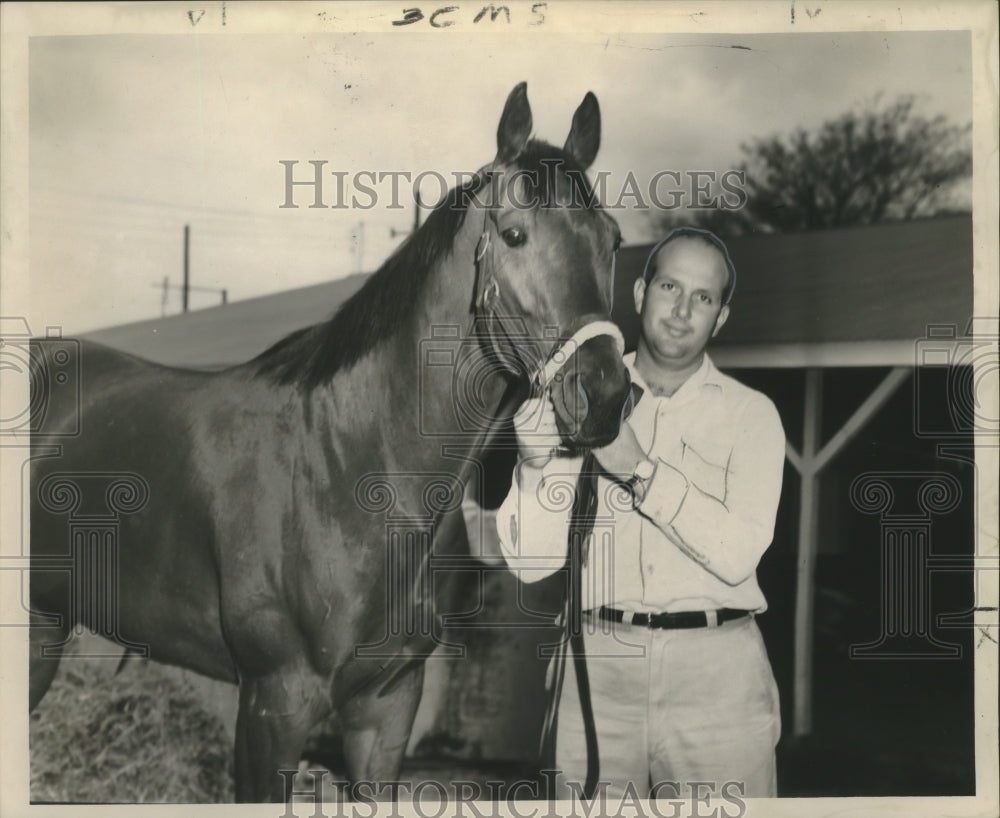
682, 619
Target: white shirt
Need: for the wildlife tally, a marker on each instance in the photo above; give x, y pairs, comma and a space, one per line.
695, 540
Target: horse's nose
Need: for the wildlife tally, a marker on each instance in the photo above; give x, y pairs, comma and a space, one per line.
588, 398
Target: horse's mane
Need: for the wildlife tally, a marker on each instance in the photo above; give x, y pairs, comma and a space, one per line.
309, 357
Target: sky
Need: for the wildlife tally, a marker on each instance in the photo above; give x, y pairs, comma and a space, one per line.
133, 136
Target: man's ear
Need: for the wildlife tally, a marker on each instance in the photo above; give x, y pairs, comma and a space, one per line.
639, 293
723, 315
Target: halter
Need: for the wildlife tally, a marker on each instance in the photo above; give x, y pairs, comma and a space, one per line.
488, 316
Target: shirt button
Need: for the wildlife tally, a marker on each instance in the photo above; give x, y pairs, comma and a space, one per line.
649, 568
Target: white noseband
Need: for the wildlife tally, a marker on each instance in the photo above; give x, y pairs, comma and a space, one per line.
559, 358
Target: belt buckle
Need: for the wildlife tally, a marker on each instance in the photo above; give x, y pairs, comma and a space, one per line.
627, 617
712, 619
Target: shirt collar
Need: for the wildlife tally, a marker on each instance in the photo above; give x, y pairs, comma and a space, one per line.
706, 375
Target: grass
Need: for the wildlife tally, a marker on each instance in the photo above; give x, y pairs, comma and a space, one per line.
134, 737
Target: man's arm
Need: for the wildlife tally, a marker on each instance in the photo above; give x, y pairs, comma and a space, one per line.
729, 536
533, 520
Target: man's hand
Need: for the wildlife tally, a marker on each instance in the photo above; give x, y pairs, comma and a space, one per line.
620, 457
537, 433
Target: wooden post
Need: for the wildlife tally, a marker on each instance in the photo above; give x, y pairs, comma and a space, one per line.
808, 527
809, 464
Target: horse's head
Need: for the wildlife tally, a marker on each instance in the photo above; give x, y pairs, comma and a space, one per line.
545, 271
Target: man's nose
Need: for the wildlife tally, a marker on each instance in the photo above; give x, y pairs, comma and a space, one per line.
682, 306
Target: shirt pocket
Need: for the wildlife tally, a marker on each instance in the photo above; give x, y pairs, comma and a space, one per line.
707, 468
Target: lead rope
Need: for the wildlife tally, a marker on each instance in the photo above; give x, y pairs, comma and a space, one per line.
581, 525
588, 503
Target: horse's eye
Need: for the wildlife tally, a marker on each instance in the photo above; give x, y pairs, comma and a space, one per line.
514, 236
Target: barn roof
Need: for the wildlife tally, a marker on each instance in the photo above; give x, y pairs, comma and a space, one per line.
859, 296
233, 333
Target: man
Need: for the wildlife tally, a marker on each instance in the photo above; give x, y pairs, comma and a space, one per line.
680, 684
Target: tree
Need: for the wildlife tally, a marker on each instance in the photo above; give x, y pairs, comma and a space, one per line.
864, 167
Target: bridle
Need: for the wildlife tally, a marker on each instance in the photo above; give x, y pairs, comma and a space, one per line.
493, 322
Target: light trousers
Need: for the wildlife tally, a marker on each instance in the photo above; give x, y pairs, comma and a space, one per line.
683, 706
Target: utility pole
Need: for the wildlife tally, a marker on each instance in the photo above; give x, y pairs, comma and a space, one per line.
187, 266
187, 287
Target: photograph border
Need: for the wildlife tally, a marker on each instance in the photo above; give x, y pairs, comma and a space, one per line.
19, 22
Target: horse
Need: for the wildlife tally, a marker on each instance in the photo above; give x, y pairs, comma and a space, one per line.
254, 506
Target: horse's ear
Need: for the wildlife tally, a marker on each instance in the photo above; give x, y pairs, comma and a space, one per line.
584, 138
515, 125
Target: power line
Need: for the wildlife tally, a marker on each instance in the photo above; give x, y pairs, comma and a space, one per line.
251, 225
134, 200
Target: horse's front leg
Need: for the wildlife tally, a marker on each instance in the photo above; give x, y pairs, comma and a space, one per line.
377, 730
276, 713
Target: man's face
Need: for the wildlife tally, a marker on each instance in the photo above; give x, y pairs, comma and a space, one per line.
681, 306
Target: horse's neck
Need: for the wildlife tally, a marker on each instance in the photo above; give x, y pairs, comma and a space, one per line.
401, 399
468, 394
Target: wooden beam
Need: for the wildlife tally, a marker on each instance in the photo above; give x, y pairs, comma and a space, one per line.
803, 354
793, 457
875, 401
806, 553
